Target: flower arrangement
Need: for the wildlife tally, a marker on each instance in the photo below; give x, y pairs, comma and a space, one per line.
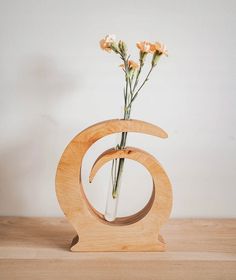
133, 85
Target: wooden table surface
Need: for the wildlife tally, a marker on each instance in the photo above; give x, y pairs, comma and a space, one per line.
37, 248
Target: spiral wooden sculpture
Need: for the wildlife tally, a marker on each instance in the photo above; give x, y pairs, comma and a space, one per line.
138, 232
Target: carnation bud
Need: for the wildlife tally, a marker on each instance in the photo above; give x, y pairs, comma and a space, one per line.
122, 47
142, 56
155, 58
114, 47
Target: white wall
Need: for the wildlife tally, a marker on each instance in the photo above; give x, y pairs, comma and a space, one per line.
55, 81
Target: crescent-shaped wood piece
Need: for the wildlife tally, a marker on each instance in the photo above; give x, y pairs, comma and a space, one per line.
138, 232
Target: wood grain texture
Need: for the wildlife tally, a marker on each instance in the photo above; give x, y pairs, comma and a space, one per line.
37, 248
95, 233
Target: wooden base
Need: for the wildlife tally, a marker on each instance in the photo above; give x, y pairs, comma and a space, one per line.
138, 232
157, 246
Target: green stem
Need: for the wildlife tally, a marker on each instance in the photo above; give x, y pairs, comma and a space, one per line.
128, 97
129, 94
137, 77
146, 79
136, 94
121, 161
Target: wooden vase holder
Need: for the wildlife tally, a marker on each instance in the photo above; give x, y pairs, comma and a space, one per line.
137, 232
